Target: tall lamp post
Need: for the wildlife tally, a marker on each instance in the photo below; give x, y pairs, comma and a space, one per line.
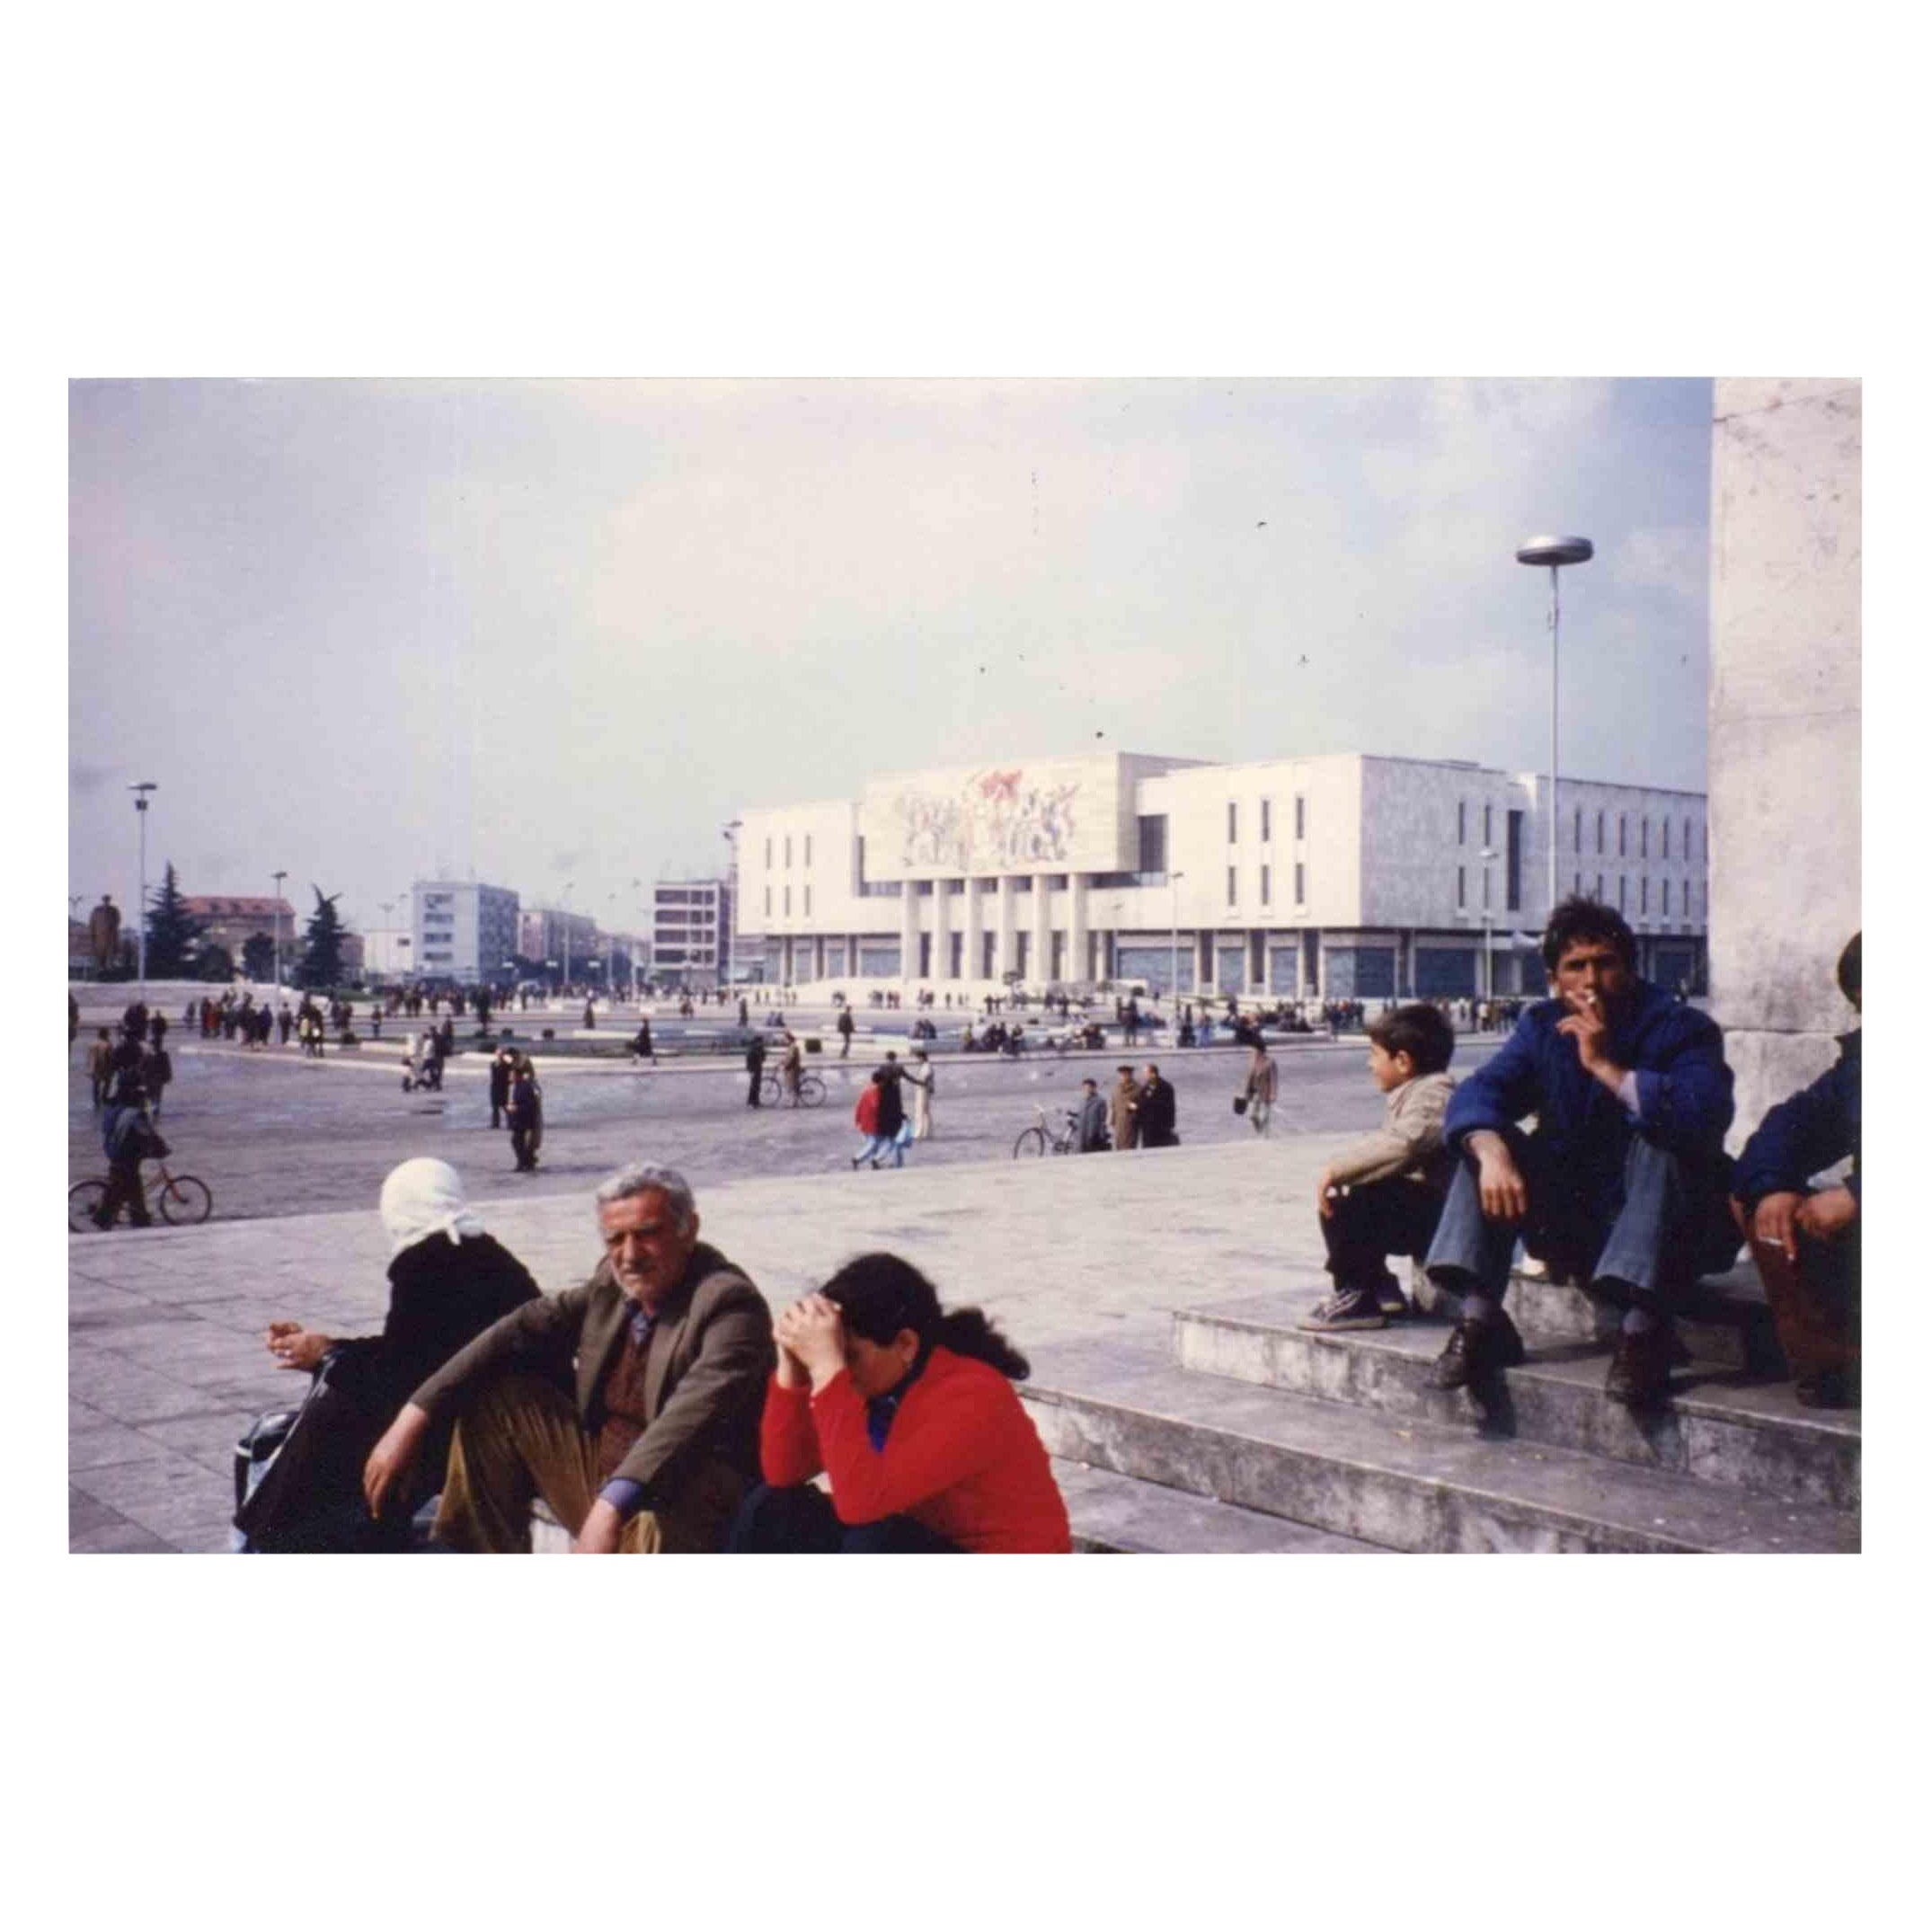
279, 877
1554, 552
563, 986
140, 792
1489, 957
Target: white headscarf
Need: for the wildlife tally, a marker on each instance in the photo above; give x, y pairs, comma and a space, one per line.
423, 1198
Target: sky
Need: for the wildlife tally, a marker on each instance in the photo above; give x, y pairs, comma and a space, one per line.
559, 634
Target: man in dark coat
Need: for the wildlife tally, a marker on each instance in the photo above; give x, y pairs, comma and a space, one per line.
845, 1033
755, 1067
1807, 1241
891, 1099
127, 1138
1622, 1186
501, 1067
1155, 1111
1094, 1138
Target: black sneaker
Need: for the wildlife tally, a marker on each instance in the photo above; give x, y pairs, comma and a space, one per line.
1640, 1370
1347, 1307
1478, 1351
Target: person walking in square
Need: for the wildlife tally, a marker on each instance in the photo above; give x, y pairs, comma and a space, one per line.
755, 1067
1259, 1087
1121, 1117
918, 1077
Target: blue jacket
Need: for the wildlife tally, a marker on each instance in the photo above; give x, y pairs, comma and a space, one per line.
1800, 1137
1683, 1088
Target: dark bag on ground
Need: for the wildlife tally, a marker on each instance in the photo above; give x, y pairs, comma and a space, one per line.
298, 1474
1241, 1103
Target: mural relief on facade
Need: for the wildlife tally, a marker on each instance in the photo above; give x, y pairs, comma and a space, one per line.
997, 821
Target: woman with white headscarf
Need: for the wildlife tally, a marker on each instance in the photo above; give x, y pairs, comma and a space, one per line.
449, 1280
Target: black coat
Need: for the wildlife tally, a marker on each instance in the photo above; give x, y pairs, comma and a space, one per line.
1156, 1114
442, 1294
891, 1105
498, 1082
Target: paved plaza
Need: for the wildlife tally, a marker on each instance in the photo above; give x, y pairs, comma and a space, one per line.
166, 1363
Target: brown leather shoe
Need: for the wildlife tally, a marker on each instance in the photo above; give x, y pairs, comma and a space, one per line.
1477, 1352
1640, 1370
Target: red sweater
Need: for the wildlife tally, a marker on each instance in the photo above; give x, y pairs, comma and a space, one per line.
962, 1457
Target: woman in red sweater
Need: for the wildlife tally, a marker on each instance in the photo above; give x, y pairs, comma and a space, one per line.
910, 1411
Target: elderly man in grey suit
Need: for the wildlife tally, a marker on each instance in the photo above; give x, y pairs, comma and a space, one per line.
630, 1404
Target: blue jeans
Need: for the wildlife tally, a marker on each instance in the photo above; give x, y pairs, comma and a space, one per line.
1654, 1235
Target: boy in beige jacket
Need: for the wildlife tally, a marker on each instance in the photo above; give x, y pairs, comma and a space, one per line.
1383, 1195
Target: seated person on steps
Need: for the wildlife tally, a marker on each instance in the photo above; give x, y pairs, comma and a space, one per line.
1807, 1243
630, 1404
1383, 1195
1621, 1188
909, 1410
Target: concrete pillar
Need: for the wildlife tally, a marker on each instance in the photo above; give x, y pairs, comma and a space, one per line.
942, 928
908, 931
1042, 967
975, 926
1785, 890
1076, 967
1004, 960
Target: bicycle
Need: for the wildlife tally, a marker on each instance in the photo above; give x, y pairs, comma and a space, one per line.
1043, 1135
811, 1091
181, 1198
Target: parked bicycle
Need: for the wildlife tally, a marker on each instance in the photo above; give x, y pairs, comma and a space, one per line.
811, 1091
1044, 1136
181, 1198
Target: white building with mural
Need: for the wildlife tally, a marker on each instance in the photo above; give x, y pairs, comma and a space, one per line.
1346, 875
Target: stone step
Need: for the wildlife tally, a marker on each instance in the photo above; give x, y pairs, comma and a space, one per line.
1719, 1426
1722, 1320
1415, 1485
1116, 1515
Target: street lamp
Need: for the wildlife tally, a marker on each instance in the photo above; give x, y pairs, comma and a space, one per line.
140, 792
565, 923
279, 877
1489, 968
1555, 552
1173, 940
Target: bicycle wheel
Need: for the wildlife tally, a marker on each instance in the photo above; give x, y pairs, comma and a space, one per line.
83, 1204
185, 1201
769, 1091
1034, 1140
811, 1090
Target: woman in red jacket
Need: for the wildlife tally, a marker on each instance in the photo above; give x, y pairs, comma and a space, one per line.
910, 1411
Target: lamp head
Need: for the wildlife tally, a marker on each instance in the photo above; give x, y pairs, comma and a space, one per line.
1555, 550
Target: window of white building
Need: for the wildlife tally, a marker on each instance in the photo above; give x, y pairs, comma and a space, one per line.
1232, 821
1230, 885
1264, 885
1267, 823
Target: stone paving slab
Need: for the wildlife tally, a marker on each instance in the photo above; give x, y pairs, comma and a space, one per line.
1054, 1250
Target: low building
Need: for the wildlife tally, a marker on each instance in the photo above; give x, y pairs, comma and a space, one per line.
548, 933
691, 933
462, 931
230, 921
1342, 876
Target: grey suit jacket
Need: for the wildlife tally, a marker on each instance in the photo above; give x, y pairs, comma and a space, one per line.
709, 1358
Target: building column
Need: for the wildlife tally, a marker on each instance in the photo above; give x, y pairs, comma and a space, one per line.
1004, 961
1076, 928
908, 930
942, 928
1042, 965
975, 926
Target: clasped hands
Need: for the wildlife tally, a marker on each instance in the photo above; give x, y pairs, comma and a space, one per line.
810, 1335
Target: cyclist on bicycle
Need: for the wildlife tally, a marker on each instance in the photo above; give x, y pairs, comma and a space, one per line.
791, 1067
127, 1136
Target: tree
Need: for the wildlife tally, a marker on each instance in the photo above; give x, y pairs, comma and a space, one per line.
321, 961
171, 932
213, 962
258, 956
